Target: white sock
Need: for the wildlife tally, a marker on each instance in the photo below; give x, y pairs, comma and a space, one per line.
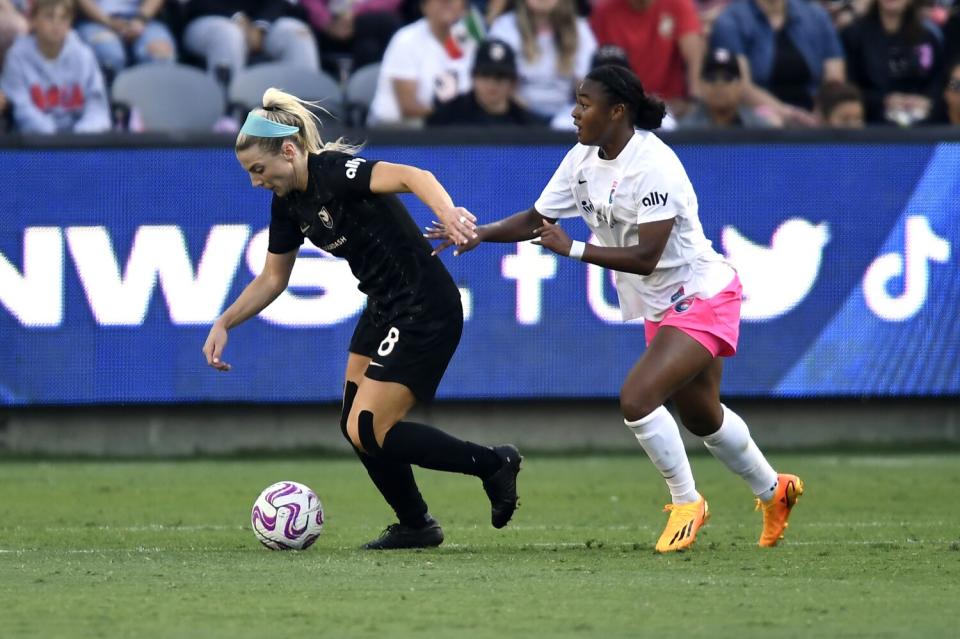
659, 436
733, 446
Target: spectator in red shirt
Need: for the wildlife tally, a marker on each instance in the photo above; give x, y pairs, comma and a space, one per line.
663, 40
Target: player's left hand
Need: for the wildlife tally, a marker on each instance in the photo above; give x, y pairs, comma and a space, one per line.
553, 237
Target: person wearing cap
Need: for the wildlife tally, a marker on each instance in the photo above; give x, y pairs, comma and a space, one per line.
491, 101
787, 49
721, 103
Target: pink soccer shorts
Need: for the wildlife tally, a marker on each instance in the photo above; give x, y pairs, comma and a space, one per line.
713, 322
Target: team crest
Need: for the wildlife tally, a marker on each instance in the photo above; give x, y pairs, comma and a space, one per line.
325, 217
613, 191
683, 305
666, 26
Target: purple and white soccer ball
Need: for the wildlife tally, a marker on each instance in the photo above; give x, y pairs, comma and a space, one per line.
287, 516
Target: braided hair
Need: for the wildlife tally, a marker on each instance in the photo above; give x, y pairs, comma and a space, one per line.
622, 86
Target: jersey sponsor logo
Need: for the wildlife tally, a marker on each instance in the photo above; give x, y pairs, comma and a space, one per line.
304, 228
340, 241
352, 166
655, 199
325, 217
677, 295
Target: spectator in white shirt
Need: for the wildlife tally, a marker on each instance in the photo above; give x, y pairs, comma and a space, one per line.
553, 47
424, 64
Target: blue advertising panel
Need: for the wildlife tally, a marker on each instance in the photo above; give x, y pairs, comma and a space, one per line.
115, 262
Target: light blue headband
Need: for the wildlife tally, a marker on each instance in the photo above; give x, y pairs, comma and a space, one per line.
261, 127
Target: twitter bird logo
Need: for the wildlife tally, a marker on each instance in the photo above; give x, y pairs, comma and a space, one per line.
776, 278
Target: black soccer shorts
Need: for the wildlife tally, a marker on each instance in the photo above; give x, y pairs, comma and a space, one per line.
413, 350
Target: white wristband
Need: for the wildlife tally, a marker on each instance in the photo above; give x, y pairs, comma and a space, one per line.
576, 250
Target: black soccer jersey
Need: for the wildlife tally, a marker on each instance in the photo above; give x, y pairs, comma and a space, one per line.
373, 232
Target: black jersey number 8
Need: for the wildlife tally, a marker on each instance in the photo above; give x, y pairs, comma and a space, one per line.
386, 346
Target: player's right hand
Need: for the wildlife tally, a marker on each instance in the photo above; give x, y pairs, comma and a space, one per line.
459, 224
437, 231
213, 347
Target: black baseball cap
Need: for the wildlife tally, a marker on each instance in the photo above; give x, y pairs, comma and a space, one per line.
495, 58
720, 61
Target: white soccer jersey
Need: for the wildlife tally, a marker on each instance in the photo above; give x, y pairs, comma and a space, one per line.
645, 183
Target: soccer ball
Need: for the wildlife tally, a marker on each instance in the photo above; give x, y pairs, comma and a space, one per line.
287, 516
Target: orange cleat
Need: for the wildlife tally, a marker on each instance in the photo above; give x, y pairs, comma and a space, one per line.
777, 510
682, 526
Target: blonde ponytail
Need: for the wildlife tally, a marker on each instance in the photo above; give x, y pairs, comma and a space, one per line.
288, 109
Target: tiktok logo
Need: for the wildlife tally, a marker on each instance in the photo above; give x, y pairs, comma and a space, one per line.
921, 246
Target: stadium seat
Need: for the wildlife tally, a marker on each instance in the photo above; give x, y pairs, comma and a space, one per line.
360, 90
247, 87
170, 97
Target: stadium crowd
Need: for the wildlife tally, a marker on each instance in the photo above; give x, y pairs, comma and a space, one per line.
716, 63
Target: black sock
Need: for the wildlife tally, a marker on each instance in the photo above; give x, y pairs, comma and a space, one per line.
430, 447
395, 482
393, 479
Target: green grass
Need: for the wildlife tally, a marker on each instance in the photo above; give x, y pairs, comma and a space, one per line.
162, 549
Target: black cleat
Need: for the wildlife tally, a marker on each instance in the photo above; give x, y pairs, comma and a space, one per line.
396, 536
501, 487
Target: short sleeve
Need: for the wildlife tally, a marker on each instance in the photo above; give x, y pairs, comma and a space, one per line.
348, 175
557, 201
284, 235
832, 48
586, 47
662, 194
598, 22
505, 28
688, 21
401, 60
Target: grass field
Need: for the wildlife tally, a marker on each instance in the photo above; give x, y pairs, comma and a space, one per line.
163, 549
